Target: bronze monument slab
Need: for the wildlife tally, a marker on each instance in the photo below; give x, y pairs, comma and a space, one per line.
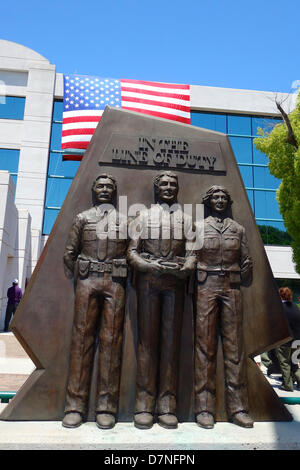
133, 148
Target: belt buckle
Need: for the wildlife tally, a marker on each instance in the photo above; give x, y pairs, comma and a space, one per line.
101, 267
222, 274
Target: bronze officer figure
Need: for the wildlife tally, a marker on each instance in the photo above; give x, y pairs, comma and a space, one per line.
223, 265
95, 255
158, 254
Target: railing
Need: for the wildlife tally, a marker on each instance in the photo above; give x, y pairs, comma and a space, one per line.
6, 396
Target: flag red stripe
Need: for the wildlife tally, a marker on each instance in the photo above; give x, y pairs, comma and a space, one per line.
157, 93
172, 117
68, 120
162, 85
75, 145
78, 132
157, 103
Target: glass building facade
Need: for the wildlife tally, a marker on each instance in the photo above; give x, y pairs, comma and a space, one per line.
261, 186
60, 173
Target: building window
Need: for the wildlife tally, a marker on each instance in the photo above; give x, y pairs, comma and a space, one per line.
60, 173
9, 160
12, 107
260, 185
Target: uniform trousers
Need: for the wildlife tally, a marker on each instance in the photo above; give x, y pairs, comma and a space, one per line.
219, 311
99, 309
290, 372
160, 309
10, 311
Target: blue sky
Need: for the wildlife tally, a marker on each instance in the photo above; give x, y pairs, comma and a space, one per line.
227, 43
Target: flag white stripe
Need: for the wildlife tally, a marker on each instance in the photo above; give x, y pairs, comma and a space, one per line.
80, 125
85, 112
76, 138
163, 99
174, 90
159, 109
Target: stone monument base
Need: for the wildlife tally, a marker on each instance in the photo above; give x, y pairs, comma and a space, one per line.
50, 435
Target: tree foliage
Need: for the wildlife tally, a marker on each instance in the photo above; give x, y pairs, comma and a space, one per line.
281, 146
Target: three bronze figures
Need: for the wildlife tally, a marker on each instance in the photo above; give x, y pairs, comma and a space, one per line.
163, 260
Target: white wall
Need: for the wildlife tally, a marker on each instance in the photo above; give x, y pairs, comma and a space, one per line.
281, 261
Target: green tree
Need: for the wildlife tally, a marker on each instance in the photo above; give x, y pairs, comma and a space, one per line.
281, 146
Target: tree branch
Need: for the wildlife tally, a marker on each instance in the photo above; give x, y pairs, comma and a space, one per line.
291, 136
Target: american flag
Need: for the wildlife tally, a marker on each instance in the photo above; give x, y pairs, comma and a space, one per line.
85, 98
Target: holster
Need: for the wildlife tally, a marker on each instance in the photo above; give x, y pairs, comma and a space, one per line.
201, 275
83, 268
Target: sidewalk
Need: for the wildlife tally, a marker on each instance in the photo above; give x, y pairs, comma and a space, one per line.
15, 367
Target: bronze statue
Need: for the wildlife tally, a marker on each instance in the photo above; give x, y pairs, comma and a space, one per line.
95, 255
223, 265
158, 255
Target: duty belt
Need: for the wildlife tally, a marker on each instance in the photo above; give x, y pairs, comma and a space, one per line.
100, 267
218, 273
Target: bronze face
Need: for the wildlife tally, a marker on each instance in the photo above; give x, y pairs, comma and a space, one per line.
104, 189
167, 189
219, 202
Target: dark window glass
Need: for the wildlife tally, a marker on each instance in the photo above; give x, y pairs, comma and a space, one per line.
57, 111
259, 157
242, 148
60, 173
266, 206
55, 142
9, 160
58, 167
49, 219
239, 125
214, 122
57, 189
264, 179
251, 198
266, 124
12, 108
247, 175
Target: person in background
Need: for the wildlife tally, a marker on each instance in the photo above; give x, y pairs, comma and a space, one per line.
290, 372
14, 295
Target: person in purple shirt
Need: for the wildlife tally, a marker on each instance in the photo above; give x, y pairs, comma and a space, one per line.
14, 295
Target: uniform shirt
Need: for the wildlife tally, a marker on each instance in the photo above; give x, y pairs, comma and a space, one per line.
161, 233
96, 235
225, 247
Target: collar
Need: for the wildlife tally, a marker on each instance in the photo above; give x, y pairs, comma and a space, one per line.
165, 208
103, 209
226, 223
